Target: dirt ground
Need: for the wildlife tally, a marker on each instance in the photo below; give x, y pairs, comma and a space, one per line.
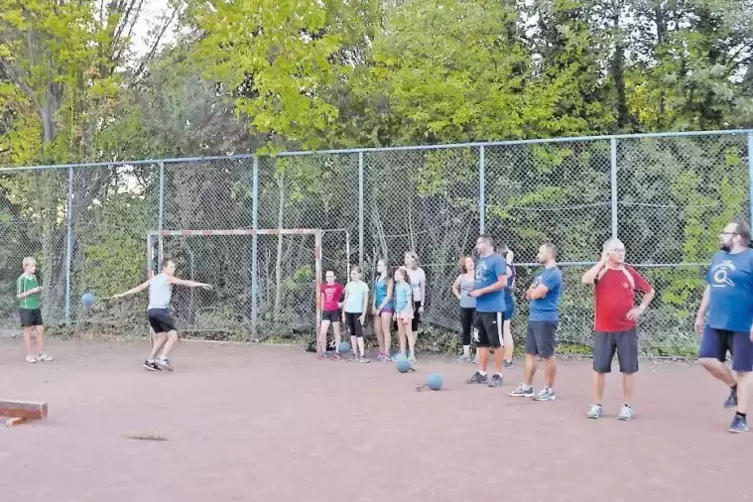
274, 424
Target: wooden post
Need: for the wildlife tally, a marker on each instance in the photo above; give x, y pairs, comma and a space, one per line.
19, 412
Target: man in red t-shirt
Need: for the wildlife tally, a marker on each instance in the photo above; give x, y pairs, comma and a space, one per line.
615, 322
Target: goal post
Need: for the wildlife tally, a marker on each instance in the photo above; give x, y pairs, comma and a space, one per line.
156, 236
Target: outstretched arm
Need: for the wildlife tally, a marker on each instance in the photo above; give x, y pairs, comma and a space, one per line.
189, 284
138, 289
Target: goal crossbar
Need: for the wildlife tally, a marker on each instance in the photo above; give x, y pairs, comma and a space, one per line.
152, 260
237, 231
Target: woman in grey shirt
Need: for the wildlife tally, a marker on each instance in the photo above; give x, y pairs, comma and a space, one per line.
460, 288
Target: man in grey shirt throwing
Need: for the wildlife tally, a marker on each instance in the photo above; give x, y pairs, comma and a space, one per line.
158, 313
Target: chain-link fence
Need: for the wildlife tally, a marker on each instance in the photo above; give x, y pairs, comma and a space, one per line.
665, 195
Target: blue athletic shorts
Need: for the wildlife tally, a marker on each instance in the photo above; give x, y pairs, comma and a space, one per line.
716, 342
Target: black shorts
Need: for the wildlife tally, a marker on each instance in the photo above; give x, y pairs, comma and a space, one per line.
354, 325
31, 317
625, 343
332, 315
487, 329
540, 339
160, 320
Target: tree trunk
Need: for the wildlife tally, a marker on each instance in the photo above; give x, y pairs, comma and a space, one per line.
618, 73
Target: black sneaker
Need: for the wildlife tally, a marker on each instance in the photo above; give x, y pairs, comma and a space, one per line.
478, 378
509, 364
151, 366
731, 401
738, 425
496, 381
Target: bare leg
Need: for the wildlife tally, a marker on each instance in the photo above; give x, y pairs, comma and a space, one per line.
718, 370
159, 340
386, 321
361, 347
378, 333
508, 341
550, 370
338, 336
40, 339
401, 336
529, 370
499, 359
743, 382
627, 387
483, 358
354, 344
172, 338
27, 340
599, 381
321, 343
411, 338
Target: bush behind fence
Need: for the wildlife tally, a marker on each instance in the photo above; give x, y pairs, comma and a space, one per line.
666, 196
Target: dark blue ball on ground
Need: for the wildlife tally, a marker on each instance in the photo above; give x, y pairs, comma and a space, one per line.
434, 381
403, 365
344, 347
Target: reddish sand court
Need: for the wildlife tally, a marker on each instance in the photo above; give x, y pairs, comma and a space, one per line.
272, 423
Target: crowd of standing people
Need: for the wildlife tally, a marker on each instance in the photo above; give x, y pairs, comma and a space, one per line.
484, 291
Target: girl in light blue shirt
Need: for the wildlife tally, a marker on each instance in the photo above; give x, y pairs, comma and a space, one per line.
404, 313
354, 312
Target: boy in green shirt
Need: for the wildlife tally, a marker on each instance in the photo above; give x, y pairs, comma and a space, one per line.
27, 292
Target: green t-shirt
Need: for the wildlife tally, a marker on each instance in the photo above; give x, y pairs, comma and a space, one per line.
25, 283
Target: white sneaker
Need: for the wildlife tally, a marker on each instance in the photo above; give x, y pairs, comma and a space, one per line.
44, 357
163, 364
31, 359
626, 413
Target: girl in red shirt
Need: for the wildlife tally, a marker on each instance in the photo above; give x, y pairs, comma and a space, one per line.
331, 294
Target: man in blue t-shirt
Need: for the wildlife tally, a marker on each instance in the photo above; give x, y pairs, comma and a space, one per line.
490, 280
728, 299
543, 319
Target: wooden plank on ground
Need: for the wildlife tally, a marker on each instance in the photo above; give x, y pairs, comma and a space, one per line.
23, 409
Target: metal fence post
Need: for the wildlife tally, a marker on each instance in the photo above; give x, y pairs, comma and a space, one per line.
69, 248
750, 174
360, 209
613, 184
254, 243
481, 192
160, 223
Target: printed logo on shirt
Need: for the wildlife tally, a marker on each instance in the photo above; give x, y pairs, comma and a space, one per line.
720, 275
480, 271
